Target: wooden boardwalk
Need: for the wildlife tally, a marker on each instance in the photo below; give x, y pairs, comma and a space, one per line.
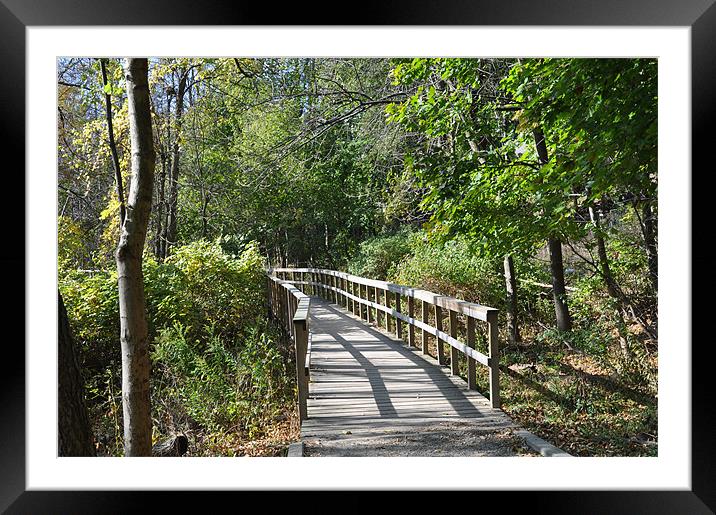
372, 395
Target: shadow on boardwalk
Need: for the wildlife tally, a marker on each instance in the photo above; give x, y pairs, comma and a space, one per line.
372, 395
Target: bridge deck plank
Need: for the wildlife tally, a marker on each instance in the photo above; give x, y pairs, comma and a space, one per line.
366, 384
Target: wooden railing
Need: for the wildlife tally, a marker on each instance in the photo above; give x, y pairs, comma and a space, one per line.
367, 297
291, 308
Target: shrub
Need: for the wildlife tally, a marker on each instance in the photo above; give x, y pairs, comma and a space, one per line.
450, 268
377, 257
71, 244
92, 303
219, 384
198, 286
199, 300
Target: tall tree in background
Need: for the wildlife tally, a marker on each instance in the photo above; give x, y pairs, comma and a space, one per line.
170, 233
132, 309
73, 425
554, 244
107, 88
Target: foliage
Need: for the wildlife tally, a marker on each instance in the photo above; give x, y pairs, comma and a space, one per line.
200, 285
480, 120
601, 116
92, 304
197, 287
72, 248
222, 385
377, 257
217, 362
450, 268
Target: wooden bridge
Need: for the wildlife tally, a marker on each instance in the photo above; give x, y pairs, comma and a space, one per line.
366, 382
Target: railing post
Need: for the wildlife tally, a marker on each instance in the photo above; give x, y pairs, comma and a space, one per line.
398, 322
277, 301
424, 313
376, 296
363, 313
494, 359
471, 379
300, 332
454, 353
352, 289
388, 316
368, 296
411, 327
287, 312
438, 341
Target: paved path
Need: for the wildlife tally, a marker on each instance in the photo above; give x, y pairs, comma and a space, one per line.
371, 395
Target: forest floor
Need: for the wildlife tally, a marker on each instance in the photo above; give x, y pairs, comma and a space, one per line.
578, 404
274, 441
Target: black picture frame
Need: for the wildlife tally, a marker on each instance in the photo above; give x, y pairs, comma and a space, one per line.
16, 15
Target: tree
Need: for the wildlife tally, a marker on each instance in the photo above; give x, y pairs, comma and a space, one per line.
468, 162
73, 426
110, 138
554, 244
132, 310
170, 233
514, 152
602, 119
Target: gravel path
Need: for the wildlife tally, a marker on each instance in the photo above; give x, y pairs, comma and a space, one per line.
444, 439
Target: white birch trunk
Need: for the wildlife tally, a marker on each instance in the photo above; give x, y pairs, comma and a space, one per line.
132, 310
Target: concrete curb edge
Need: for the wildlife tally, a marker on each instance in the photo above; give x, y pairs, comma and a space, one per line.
295, 450
541, 446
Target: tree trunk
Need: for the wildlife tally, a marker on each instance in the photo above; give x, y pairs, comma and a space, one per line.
541, 145
132, 310
73, 426
171, 238
166, 170
205, 214
513, 330
564, 321
602, 253
559, 293
651, 246
158, 244
112, 144
612, 289
173, 447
